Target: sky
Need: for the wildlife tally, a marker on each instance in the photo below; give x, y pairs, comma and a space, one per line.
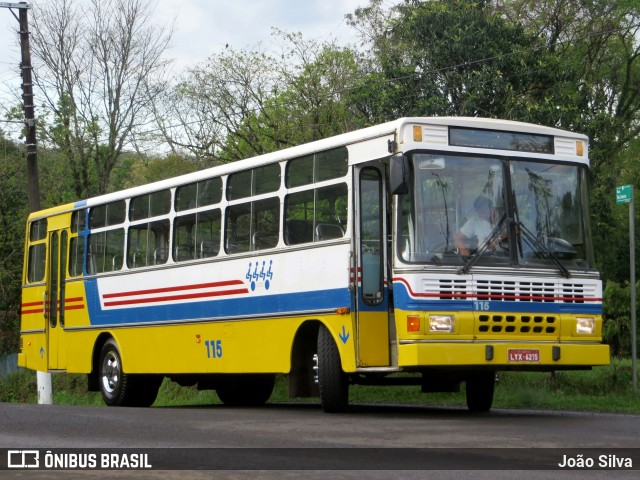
205, 27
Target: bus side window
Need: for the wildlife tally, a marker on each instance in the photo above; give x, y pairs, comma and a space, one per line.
106, 251
76, 256
299, 211
37, 256
252, 225
316, 214
37, 251
148, 244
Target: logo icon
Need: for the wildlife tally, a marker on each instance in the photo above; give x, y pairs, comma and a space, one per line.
23, 459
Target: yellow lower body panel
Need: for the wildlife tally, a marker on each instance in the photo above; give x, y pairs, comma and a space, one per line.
526, 356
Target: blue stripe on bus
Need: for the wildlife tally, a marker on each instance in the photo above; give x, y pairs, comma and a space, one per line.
404, 301
247, 305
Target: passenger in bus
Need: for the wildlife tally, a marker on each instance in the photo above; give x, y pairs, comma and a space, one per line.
477, 229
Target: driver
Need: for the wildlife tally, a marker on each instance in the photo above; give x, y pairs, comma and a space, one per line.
478, 227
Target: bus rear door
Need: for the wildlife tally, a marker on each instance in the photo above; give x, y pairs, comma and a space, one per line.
55, 298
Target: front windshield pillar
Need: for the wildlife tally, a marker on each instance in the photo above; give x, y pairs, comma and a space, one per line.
513, 238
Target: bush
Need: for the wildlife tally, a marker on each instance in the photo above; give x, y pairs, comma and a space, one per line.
616, 312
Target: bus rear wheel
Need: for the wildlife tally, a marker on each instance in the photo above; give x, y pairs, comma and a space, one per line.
120, 389
333, 382
250, 390
480, 387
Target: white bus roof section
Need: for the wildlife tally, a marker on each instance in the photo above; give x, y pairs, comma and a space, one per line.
364, 145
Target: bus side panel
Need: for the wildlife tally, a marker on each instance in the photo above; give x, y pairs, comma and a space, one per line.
249, 346
33, 337
373, 338
77, 339
208, 317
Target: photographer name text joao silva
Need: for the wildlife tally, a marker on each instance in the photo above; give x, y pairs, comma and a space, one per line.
68, 461
603, 461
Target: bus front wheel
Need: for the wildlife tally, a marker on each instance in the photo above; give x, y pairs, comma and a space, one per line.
333, 382
480, 387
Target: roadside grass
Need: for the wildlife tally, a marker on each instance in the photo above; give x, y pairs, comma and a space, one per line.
603, 389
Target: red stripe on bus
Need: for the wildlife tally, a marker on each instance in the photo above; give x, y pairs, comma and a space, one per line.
67, 300
73, 307
31, 304
189, 296
134, 293
25, 312
74, 299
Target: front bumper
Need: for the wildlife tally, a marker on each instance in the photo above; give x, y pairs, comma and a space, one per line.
503, 355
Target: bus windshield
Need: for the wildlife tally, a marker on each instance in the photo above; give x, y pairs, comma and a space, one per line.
459, 212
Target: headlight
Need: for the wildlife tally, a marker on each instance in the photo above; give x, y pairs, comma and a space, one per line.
442, 323
585, 326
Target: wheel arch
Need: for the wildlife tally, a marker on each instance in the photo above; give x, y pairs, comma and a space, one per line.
93, 378
302, 380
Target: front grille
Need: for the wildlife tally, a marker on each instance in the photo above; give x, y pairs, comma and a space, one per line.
509, 290
576, 293
518, 324
515, 291
453, 289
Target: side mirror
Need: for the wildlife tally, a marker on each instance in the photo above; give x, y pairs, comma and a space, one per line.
399, 175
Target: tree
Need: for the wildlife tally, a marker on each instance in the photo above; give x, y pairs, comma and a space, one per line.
312, 102
598, 46
13, 212
245, 103
449, 58
98, 70
212, 100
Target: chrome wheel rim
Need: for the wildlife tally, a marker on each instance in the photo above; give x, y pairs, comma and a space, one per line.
110, 372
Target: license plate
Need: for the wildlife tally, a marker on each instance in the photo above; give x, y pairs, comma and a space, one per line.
520, 355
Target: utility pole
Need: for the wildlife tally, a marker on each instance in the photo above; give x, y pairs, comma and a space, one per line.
28, 104
29, 110
43, 378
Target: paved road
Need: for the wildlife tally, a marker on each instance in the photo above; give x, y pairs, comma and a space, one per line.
307, 439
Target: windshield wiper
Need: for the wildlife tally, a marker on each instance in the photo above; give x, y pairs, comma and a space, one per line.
482, 249
542, 251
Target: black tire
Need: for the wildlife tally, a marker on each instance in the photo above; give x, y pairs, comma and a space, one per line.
119, 389
333, 382
251, 390
480, 388
145, 389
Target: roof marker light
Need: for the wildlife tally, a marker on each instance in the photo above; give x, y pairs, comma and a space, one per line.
417, 133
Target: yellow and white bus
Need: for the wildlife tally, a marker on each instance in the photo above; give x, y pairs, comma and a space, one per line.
363, 258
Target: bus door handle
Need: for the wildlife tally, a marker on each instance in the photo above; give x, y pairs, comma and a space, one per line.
44, 304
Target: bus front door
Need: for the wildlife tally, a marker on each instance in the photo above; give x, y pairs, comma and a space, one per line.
373, 348
55, 299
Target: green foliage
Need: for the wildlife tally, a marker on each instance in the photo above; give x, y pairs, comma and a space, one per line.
617, 318
571, 64
13, 212
603, 389
453, 58
19, 387
309, 102
133, 171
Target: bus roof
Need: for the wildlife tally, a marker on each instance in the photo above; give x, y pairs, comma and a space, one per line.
384, 129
